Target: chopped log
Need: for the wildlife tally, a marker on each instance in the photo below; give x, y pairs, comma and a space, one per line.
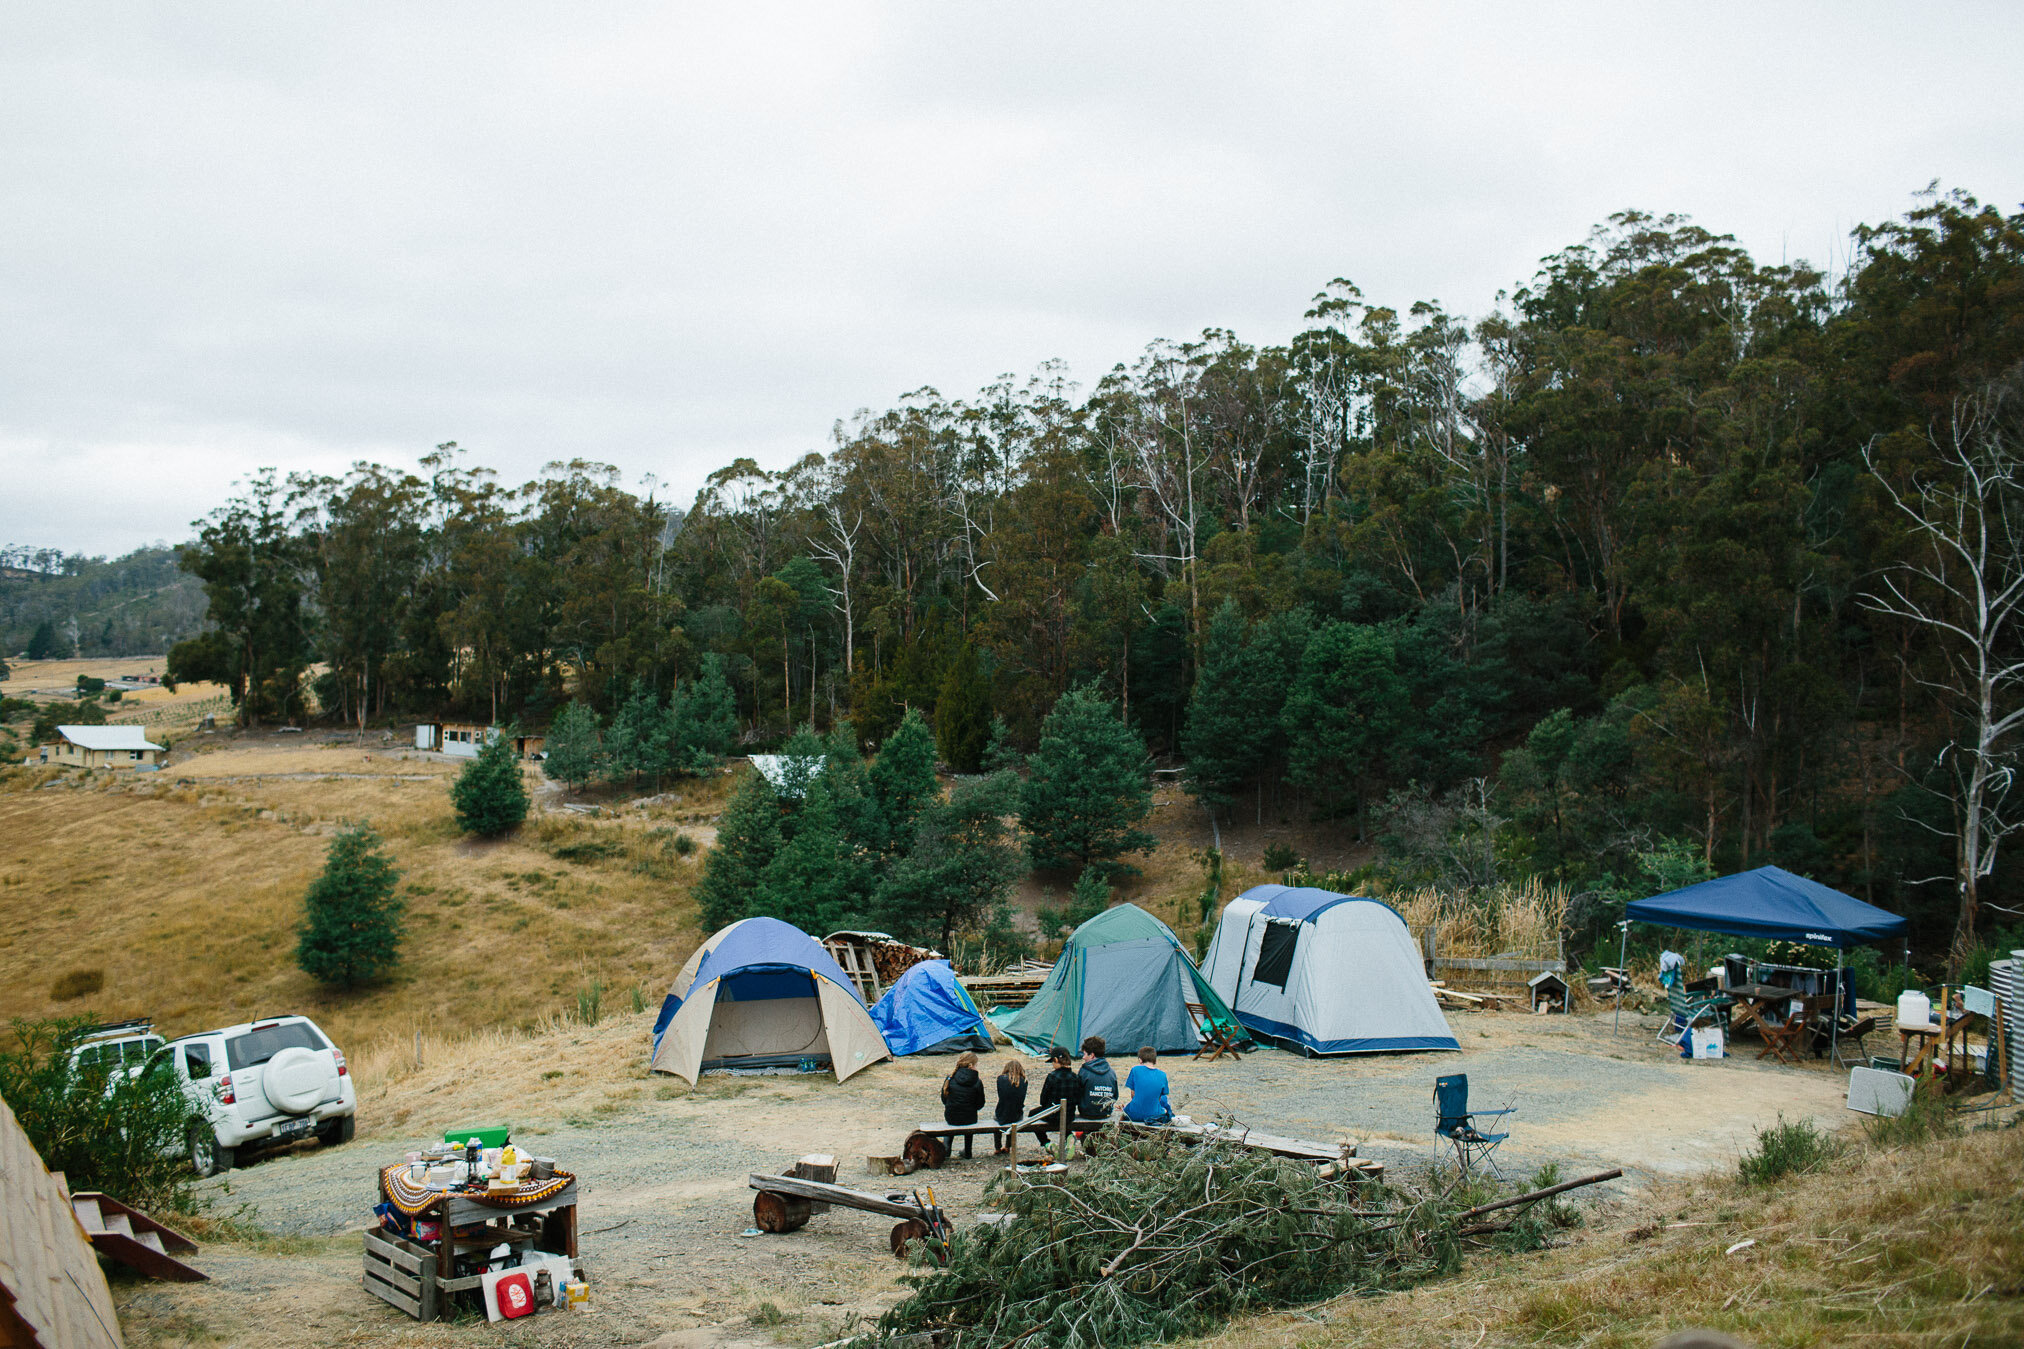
1549, 1191
773, 1212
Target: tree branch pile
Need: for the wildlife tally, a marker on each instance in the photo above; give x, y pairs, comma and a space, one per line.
1157, 1239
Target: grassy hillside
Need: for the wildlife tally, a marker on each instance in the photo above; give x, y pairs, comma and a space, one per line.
181, 893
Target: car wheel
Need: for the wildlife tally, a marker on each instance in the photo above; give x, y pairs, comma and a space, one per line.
338, 1131
208, 1157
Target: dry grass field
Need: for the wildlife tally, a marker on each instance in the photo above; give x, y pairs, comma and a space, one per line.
181, 892
168, 714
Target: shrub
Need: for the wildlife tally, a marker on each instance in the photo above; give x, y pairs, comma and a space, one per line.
112, 1133
1787, 1148
683, 845
351, 929
590, 1003
1925, 1118
585, 850
1281, 857
77, 984
489, 796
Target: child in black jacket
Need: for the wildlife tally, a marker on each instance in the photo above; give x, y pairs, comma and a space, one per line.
963, 1096
1011, 1097
1061, 1085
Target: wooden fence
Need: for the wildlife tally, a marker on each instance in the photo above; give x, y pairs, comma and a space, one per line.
52, 1294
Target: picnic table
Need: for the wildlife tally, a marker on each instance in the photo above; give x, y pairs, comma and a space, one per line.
1758, 1005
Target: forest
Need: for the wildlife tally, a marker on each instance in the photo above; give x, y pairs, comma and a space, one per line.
1671, 554
62, 605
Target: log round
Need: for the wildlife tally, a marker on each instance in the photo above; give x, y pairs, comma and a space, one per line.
925, 1150
779, 1212
906, 1233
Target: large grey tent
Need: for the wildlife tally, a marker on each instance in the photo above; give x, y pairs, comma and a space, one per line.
1324, 973
1122, 976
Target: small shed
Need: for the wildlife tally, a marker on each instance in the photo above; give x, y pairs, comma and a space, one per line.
1549, 992
462, 739
104, 747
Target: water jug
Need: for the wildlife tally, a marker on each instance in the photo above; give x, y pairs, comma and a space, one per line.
1914, 1009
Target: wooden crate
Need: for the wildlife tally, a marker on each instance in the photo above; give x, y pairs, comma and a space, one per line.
401, 1272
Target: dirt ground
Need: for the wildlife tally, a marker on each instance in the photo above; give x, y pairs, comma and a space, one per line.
663, 1169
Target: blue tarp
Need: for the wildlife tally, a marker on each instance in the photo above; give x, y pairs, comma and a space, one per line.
1770, 902
927, 1011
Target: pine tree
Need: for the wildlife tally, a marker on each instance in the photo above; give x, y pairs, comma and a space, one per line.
748, 836
963, 713
1343, 715
1001, 755
703, 720
1222, 736
814, 881
488, 795
1089, 788
903, 782
351, 930
572, 745
961, 865
42, 642
636, 744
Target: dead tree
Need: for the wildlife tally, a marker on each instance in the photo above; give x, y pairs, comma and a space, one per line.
1962, 584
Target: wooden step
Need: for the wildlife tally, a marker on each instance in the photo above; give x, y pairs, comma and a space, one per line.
134, 1239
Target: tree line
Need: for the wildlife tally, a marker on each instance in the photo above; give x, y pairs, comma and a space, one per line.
1671, 548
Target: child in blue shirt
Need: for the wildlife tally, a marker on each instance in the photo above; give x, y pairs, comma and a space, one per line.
1148, 1085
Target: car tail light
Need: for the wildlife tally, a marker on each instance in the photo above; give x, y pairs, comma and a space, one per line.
225, 1095
339, 1055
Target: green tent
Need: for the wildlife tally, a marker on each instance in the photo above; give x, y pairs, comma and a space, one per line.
1122, 976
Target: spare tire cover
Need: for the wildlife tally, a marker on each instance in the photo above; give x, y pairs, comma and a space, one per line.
294, 1080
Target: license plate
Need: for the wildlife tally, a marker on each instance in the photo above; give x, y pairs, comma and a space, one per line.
293, 1128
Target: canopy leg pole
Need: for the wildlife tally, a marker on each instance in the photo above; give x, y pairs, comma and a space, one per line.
1622, 955
1834, 1035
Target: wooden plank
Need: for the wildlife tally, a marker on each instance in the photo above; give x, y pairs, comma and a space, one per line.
836, 1194
50, 1279
399, 1256
141, 1222
1300, 1149
409, 1302
463, 1211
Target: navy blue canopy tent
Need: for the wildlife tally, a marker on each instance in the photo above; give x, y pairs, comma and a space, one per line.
1770, 902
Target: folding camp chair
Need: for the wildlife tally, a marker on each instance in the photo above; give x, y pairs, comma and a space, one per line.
1689, 1009
1854, 1032
1215, 1038
1454, 1121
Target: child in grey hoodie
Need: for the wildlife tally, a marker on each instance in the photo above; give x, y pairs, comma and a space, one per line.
1099, 1081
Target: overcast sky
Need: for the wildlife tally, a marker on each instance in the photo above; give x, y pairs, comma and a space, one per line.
235, 235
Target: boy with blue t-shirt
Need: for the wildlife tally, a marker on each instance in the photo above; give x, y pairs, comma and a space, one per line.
1148, 1085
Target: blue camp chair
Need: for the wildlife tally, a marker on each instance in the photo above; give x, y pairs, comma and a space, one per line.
1457, 1124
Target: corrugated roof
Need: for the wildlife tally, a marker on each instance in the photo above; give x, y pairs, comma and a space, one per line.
107, 737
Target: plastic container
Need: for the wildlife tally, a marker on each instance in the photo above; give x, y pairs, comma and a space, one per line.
1914, 1009
488, 1135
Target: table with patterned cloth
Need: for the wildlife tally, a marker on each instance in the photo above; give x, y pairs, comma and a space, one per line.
486, 1218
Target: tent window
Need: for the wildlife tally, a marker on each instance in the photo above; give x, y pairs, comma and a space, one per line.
1275, 954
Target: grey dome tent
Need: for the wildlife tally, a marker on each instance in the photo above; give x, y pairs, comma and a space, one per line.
1325, 973
1122, 976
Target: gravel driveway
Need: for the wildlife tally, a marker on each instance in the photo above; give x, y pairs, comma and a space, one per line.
665, 1201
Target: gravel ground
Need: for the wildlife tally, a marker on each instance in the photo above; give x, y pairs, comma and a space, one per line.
664, 1199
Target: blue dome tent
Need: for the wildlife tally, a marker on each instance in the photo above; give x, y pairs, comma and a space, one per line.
927, 1012
763, 992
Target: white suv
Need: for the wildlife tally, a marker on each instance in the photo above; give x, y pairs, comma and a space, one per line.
123, 1046
270, 1081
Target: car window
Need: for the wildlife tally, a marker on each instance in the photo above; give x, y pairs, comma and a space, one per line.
137, 1051
197, 1061
255, 1047
160, 1063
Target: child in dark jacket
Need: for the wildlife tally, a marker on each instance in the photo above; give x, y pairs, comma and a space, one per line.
1011, 1097
963, 1096
1099, 1082
1061, 1085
